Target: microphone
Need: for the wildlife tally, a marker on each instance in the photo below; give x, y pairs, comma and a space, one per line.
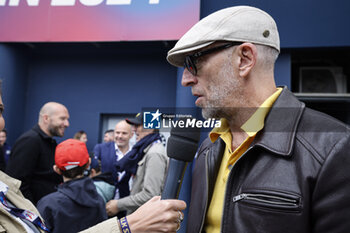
181, 148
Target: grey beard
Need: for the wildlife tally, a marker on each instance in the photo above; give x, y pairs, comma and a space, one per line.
215, 113
210, 113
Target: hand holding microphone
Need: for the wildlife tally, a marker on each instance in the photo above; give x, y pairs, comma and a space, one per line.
181, 148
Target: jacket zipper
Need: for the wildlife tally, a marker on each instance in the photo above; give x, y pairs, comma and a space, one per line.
267, 199
207, 185
223, 208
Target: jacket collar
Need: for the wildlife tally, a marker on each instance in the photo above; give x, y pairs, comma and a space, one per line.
41, 132
281, 123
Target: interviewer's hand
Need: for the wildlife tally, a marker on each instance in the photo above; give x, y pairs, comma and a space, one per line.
157, 216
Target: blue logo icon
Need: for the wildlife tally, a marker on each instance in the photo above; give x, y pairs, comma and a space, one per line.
151, 120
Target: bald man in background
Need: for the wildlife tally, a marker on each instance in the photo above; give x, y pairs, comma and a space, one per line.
32, 156
109, 153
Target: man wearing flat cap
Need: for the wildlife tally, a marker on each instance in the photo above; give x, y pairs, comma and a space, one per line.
274, 165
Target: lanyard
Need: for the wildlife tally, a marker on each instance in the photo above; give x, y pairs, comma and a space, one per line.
23, 214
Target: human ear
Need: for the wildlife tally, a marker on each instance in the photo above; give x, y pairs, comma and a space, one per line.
57, 170
46, 118
248, 55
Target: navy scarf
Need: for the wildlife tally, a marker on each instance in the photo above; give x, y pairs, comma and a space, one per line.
129, 162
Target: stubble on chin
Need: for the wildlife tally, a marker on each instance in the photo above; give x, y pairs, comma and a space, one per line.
55, 132
214, 113
209, 113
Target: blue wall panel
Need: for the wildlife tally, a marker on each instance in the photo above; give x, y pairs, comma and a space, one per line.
13, 73
301, 23
93, 84
283, 70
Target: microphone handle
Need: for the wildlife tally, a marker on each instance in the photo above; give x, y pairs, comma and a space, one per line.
174, 179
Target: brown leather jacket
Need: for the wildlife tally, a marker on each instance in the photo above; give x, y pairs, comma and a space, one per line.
294, 178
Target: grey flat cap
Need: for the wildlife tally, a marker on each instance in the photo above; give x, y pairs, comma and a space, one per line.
239, 23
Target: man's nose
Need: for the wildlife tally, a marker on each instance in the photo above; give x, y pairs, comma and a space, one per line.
188, 79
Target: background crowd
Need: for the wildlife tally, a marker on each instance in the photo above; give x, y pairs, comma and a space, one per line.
74, 189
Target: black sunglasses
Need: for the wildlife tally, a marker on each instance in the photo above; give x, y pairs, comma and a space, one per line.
191, 60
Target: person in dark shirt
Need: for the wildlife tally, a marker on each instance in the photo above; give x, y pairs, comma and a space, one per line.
76, 205
32, 156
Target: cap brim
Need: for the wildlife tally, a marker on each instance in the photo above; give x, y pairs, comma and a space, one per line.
176, 56
133, 121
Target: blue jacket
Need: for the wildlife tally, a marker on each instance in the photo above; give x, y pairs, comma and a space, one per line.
105, 152
74, 207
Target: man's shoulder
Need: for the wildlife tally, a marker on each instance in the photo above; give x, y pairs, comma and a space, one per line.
29, 135
156, 147
321, 132
313, 129
315, 122
106, 145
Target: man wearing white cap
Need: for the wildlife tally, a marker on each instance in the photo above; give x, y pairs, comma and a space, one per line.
274, 165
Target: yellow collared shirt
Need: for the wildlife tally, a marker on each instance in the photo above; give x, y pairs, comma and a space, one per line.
253, 125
